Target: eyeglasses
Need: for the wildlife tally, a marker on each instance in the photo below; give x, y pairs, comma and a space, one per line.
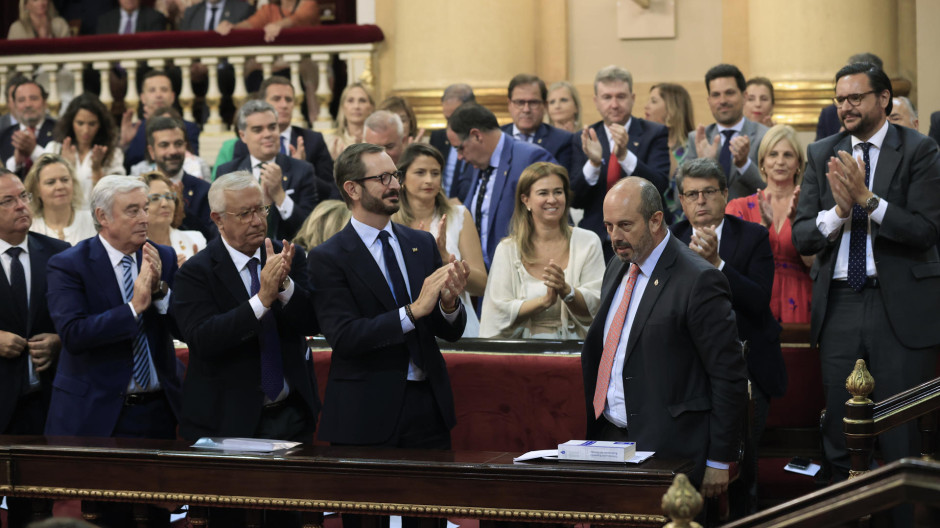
385, 178
153, 198
693, 195
853, 99
522, 103
245, 217
10, 201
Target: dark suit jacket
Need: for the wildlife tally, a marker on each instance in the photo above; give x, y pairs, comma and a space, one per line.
222, 392
828, 123
649, 142
299, 183
904, 244
739, 183
317, 155
43, 136
148, 19
684, 378
196, 206
359, 318
13, 372
516, 156
194, 18
439, 141
554, 140
97, 330
137, 149
749, 268
934, 132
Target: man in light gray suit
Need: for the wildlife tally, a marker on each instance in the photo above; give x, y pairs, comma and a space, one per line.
205, 16
733, 140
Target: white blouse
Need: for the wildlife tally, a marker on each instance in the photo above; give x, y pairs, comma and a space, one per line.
82, 227
83, 170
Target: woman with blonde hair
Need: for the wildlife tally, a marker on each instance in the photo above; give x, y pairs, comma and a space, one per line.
57, 200
424, 206
166, 214
564, 106
355, 105
38, 19
670, 104
545, 280
327, 218
781, 162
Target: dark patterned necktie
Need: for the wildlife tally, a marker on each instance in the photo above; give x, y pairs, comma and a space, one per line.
857, 272
400, 292
18, 286
724, 157
481, 193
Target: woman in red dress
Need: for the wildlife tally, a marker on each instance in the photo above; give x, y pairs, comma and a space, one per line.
781, 161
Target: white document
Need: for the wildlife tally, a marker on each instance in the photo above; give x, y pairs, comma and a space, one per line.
810, 470
244, 445
552, 454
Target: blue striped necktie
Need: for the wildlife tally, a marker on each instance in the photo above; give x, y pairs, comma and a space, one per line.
141, 347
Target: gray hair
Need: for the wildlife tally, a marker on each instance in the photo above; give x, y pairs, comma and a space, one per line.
907, 102
233, 181
611, 74
382, 120
253, 106
704, 168
102, 196
461, 91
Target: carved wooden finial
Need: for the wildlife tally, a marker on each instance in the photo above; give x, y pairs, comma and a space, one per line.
860, 383
682, 503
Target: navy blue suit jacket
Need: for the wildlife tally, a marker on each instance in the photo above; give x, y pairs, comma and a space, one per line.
554, 140
222, 392
317, 155
360, 319
516, 156
649, 142
13, 371
43, 136
749, 268
439, 141
828, 123
299, 183
136, 150
196, 206
97, 329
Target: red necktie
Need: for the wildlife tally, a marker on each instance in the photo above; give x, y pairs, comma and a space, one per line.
611, 343
613, 170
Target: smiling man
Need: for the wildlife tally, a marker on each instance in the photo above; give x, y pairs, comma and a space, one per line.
22, 144
527, 103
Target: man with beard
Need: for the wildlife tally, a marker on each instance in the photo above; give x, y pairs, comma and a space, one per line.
662, 364
21, 144
868, 211
388, 384
166, 143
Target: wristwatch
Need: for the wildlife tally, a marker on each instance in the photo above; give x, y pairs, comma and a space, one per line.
872, 203
284, 284
570, 297
160, 292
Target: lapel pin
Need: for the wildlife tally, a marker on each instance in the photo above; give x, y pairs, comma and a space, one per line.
190, 192
636, 143
656, 282
414, 250
539, 142
285, 178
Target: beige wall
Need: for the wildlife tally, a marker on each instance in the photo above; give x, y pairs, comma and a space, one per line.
928, 73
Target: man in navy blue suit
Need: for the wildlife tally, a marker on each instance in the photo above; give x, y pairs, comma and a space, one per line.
494, 163
166, 143
528, 98
618, 146
21, 144
741, 250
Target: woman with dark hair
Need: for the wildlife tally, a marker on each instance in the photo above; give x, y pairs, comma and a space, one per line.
165, 216
57, 199
425, 206
545, 280
86, 137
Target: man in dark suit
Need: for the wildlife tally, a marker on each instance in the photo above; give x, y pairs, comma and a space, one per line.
166, 144
618, 146
205, 16
28, 342
297, 142
22, 144
494, 163
934, 131
130, 18
868, 211
156, 95
453, 96
528, 98
388, 383
289, 184
732, 139
741, 250
662, 365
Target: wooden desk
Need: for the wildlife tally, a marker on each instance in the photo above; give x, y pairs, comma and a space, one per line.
468, 484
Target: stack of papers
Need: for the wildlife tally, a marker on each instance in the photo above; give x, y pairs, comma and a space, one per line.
552, 454
244, 445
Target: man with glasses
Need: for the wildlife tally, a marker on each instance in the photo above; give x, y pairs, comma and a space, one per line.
741, 250
617, 146
382, 297
289, 185
868, 211
528, 97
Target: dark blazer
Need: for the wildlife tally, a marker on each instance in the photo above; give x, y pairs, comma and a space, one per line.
649, 142
196, 206
828, 123
359, 318
13, 372
299, 183
554, 140
904, 244
194, 18
43, 137
439, 141
749, 268
148, 19
739, 183
222, 392
97, 330
136, 150
317, 155
934, 132
516, 156
684, 378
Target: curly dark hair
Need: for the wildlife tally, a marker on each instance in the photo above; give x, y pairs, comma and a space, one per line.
107, 130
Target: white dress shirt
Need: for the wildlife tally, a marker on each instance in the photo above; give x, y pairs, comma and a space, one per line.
132, 15
287, 206
218, 8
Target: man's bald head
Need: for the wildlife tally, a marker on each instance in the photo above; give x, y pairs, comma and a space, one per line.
633, 217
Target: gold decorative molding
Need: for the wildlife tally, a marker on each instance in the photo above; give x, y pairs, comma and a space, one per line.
860, 383
373, 508
427, 105
798, 103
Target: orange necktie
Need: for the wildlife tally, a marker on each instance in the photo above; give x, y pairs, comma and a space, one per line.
611, 343
613, 170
